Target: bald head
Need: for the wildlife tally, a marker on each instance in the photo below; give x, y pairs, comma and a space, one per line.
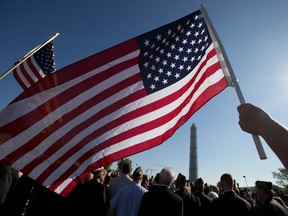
227, 181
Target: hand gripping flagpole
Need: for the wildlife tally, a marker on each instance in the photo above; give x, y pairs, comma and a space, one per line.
28, 55
225, 64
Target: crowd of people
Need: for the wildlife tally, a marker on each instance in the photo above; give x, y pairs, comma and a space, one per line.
131, 194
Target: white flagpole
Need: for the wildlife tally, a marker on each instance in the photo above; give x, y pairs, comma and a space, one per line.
28, 55
226, 63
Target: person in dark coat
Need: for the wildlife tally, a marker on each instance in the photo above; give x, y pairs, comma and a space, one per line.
206, 201
8, 180
191, 203
30, 198
267, 204
230, 203
160, 200
89, 198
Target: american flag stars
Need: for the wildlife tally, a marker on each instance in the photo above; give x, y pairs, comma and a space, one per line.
45, 58
168, 54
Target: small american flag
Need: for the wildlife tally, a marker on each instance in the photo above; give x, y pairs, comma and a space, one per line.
36, 67
116, 103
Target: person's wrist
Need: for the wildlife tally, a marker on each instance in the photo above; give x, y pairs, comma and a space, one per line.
266, 127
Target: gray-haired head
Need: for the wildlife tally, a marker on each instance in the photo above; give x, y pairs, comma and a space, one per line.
167, 176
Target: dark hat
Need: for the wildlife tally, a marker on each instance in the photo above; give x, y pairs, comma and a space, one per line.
181, 180
137, 172
264, 185
199, 181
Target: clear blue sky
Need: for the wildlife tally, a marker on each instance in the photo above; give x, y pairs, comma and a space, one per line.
254, 34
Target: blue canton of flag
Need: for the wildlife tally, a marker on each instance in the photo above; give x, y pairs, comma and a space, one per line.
171, 52
45, 58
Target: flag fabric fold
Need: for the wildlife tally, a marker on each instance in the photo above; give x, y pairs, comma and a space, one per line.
36, 66
116, 103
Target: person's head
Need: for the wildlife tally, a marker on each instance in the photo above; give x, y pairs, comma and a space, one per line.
212, 195
180, 181
263, 190
227, 181
126, 168
166, 176
99, 175
156, 179
145, 181
138, 174
89, 177
199, 185
214, 188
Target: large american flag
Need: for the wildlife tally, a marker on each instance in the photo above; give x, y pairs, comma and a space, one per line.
36, 66
116, 103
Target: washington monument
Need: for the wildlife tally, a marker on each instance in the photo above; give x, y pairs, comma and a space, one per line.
193, 168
